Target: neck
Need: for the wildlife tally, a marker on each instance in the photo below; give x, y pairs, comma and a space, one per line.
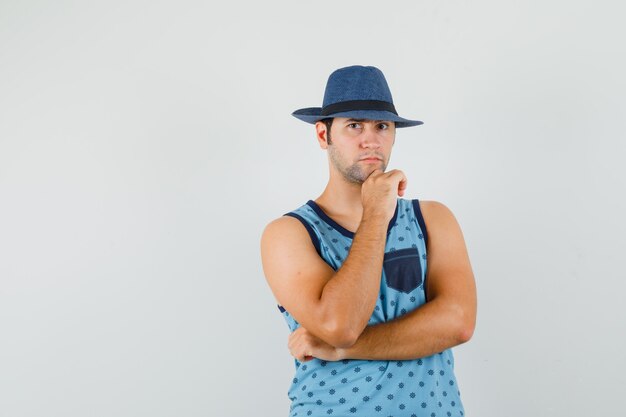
342, 197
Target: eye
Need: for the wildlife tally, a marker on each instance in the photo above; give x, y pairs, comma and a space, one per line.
355, 125
383, 126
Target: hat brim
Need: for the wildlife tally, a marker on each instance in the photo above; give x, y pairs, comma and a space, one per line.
312, 115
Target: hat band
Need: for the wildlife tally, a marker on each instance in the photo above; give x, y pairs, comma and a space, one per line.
350, 105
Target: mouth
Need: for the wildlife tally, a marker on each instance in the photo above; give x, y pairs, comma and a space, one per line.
371, 159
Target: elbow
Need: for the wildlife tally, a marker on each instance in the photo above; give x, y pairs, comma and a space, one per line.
466, 329
465, 333
465, 325
341, 337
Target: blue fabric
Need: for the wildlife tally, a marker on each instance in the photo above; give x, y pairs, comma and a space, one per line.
408, 388
356, 82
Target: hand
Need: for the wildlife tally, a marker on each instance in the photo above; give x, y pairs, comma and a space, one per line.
379, 192
304, 346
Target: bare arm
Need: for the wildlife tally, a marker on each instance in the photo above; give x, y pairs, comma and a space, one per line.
334, 306
446, 320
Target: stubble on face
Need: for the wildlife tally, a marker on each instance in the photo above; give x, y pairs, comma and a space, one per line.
356, 172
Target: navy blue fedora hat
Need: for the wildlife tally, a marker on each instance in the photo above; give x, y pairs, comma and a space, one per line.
356, 92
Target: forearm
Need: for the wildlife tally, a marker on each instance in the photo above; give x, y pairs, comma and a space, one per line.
435, 326
349, 297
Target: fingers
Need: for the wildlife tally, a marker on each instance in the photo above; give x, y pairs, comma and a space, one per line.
402, 187
380, 191
299, 347
295, 346
375, 173
397, 175
301, 355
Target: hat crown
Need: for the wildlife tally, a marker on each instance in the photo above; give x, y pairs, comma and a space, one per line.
358, 92
356, 82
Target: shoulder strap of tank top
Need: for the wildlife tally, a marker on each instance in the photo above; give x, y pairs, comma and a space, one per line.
420, 219
307, 226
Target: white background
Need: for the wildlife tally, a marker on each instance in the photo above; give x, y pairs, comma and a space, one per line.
144, 145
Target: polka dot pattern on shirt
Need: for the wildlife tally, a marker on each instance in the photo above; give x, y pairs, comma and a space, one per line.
420, 387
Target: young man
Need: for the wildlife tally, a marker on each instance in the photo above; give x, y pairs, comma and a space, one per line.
376, 289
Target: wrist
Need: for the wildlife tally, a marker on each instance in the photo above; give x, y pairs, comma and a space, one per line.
341, 353
373, 219
345, 352
372, 228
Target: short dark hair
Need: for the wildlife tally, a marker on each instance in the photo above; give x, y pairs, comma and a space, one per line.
328, 122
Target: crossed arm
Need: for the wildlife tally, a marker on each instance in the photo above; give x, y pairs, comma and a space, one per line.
429, 329
447, 319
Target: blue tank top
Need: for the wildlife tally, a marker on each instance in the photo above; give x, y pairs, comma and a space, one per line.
353, 387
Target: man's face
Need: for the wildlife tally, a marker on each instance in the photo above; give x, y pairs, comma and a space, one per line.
358, 147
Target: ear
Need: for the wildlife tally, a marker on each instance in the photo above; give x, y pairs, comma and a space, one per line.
320, 134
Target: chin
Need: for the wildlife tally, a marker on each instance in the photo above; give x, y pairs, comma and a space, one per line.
380, 166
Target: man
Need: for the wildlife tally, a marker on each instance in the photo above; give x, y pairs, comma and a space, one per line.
376, 289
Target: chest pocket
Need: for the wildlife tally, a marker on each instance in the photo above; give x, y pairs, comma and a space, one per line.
403, 269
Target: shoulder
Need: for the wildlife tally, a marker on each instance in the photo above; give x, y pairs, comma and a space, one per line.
434, 210
445, 237
288, 232
282, 228
438, 218
291, 262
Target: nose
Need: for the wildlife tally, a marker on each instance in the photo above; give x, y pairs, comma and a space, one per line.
370, 138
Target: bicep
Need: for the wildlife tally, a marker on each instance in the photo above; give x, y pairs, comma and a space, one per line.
449, 272
295, 272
